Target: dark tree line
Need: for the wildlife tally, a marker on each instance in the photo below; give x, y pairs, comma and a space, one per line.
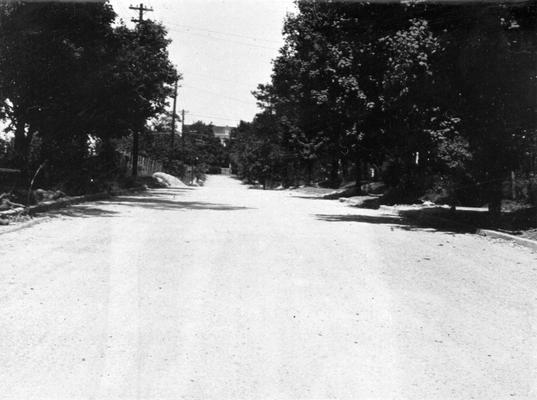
197, 149
425, 95
72, 82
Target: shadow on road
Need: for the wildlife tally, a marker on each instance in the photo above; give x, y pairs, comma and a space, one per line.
169, 191
158, 203
81, 210
520, 219
146, 201
399, 222
312, 197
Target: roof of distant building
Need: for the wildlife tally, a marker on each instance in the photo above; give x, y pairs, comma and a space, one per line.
221, 130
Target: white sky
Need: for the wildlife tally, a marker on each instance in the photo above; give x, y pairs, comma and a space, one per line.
223, 48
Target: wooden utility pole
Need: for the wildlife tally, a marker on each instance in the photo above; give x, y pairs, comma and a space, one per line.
141, 9
183, 132
173, 113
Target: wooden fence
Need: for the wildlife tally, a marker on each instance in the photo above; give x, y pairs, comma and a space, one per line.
146, 166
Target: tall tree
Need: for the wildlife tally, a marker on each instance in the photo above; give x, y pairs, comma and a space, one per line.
47, 53
486, 73
139, 80
257, 153
66, 74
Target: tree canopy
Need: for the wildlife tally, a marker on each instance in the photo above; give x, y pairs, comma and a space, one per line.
68, 75
425, 94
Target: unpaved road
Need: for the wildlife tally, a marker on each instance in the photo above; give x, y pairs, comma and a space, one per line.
224, 292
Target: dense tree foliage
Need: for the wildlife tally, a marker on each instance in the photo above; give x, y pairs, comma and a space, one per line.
198, 148
255, 153
203, 149
424, 94
47, 58
69, 77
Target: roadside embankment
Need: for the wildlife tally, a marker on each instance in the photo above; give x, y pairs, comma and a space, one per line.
471, 220
517, 225
20, 216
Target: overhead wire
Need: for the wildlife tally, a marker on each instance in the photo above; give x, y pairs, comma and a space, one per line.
216, 117
225, 40
224, 33
218, 79
217, 94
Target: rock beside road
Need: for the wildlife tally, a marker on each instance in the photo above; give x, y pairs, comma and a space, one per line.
345, 192
374, 188
169, 180
41, 195
372, 202
7, 204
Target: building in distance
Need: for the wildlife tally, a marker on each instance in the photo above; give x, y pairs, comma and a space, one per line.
222, 133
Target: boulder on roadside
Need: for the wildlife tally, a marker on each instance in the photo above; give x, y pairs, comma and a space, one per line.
374, 187
371, 202
348, 192
6, 202
169, 180
41, 195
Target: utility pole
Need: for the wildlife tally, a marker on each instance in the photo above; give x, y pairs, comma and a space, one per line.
173, 114
183, 131
141, 9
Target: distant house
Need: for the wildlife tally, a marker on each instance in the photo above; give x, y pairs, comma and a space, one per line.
222, 133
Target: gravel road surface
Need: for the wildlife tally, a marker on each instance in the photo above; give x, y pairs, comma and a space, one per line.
225, 292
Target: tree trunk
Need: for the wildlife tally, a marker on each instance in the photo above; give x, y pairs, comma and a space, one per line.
309, 172
135, 154
453, 200
297, 177
495, 209
495, 200
334, 172
513, 185
358, 173
22, 149
108, 154
345, 168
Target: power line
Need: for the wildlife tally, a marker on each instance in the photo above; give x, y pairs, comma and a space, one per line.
225, 40
216, 117
217, 79
225, 33
218, 94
